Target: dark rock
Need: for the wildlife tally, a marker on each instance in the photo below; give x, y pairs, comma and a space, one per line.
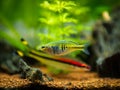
110, 67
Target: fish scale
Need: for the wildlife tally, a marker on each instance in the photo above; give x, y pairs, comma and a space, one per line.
62, 47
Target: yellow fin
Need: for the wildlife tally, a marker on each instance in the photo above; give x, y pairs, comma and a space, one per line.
24, 41
20, 53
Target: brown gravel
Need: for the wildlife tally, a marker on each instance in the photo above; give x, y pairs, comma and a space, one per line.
77, 79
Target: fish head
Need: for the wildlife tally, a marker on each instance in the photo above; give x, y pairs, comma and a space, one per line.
46, 49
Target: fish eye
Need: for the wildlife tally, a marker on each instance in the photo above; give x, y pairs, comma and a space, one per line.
43, 47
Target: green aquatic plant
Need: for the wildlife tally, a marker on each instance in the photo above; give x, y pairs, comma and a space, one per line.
58, 20
43, 21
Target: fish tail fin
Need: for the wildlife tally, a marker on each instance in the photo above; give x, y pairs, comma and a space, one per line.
85, 50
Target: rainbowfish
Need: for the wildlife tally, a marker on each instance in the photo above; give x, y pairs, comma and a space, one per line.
50, 60
61, 47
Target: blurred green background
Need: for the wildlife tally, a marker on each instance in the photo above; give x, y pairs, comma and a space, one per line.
43, 21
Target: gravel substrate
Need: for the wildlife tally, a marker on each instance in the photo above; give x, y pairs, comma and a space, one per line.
77, 79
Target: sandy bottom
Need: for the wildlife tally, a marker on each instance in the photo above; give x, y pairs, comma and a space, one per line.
77, 79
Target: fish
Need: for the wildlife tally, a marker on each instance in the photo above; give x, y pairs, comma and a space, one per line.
61, 48
51, 60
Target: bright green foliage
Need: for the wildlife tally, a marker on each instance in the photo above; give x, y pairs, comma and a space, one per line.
43, 21
59, 20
